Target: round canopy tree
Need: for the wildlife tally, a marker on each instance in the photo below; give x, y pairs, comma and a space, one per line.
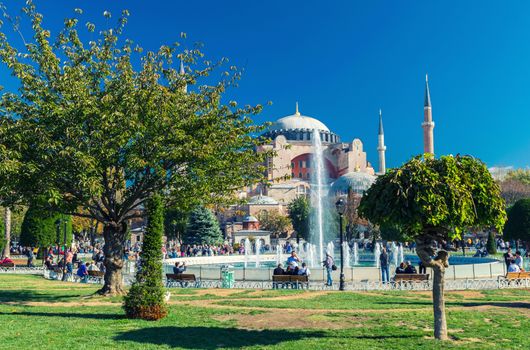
434, 200
518, 224
96, 127
299, 210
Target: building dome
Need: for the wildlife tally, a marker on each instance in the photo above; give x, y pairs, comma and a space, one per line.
298, 122
250, 218
298, 127
358, 181
261, 200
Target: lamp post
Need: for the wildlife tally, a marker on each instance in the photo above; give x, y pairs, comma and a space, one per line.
341, 208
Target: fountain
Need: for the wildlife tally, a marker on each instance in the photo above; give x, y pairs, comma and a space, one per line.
346, 249
258, 251
377, 253
317, 191
401, 259
279, 259
248, 249
355, 254
330, 249
395, 254
311, 255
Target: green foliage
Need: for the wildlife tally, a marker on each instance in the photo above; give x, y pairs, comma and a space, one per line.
39, 228
448, 194
274, 222
299, 212
393, 233
491, 245
92, 131
175, 222
518, 224
146, 296
202, 227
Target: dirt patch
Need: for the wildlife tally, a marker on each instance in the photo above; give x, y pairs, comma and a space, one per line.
291, 320
467, 294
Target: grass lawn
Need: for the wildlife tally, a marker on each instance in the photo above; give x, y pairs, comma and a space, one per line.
36, 313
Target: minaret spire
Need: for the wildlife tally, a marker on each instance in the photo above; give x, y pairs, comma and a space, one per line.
381, 148
428, 123
297, 112
182, 73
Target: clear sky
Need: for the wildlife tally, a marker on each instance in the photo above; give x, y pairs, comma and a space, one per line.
343, 60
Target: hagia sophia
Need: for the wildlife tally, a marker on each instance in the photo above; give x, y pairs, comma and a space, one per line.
290, 172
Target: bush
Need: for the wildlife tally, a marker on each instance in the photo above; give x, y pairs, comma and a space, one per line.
145, 299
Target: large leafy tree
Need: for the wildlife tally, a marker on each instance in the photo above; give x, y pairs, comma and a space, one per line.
175, 221
97, 127
299, 213
434, 200
518, 224
274, 222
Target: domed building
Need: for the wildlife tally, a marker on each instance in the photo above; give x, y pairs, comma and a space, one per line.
291, 170
356, 181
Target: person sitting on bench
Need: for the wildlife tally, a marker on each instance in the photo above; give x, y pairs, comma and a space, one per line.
410, 269
400, 269
513, 267
278, 270
179, 268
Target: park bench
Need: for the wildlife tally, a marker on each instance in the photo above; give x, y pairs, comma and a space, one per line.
410, 280
293, 281
182, 278
515, 279
95, 276
6, 265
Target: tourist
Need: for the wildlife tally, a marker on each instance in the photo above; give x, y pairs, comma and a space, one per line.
328, 265
49, 262
278, 270
508, 257
422, 268
304, 271
513, 267
179, 268
401, 268
82, 272
293, 259
30, 256
519, 260
410, 268
69, 256
384, 262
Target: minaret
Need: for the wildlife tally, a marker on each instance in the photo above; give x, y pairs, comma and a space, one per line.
182, 73
381, 148
428, 124
297, 112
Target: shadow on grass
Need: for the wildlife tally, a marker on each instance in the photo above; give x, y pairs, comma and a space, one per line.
205, 338
29, 295
66, 315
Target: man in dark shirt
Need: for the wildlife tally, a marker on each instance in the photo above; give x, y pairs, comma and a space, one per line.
410, 268
278, 270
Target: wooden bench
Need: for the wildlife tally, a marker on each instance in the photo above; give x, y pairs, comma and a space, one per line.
409, 280
183, 278
293, 281
11, 264
516, 279
96, 276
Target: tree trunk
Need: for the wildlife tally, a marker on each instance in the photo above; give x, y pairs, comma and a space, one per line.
438, 301
7, 232
438, 264
114, 235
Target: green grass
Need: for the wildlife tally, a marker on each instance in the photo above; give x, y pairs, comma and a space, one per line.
36, 313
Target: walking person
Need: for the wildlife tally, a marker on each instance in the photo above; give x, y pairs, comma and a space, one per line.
384, 263
329, 263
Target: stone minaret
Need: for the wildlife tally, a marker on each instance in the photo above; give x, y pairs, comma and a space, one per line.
381, 148
428, 124
182, 73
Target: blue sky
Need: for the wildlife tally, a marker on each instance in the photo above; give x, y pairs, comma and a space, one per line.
343, 60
